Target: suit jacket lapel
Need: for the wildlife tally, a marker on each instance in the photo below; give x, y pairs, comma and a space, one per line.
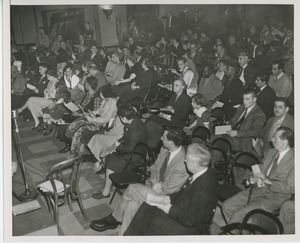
173, 161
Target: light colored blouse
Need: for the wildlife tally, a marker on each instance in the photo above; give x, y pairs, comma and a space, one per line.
107, 111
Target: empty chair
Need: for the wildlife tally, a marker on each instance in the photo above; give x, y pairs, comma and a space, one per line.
201, 134
218, 116
137, 103
135, 170
256, 222
232, 184
62, 185
221, 156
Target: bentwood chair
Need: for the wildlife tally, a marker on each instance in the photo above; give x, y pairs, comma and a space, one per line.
63, 185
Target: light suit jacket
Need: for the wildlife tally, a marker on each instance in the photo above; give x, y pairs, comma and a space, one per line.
250, 128
176, 173
283, 179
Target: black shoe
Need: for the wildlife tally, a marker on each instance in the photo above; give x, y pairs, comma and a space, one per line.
104, 224
41, 128
100, 195
36, 128
101, 171
48, 132
66, 149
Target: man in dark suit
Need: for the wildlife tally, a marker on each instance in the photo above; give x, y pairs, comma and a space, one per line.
171, 23
232, 94
247, 123
168, 174
134, 132
221, 54
188, 211
194, 23
281, 118
85, 53
183, 20
95, 56
247, 72
275, 182
265, 94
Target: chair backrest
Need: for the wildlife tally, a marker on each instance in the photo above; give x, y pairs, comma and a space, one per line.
259, 221
67, 172
137, 103
222, 145
139, 155
245, 160
241, 167
219, 114
201, 133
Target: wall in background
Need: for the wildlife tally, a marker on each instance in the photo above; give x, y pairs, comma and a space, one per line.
108, 27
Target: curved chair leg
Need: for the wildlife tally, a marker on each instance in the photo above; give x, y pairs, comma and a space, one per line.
82, 208
113, 196
70, 202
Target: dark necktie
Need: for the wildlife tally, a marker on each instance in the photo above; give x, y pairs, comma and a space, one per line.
163, 168
237, 126
274, 164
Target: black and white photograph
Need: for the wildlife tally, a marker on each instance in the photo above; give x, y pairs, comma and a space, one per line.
149, 119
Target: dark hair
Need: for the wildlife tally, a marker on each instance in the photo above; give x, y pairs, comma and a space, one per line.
127, 112
244, 53
131, 58
107, 91
263, 77
93, 82
43, 65
148, 63
116, 54
200, 99
51, 73
225, 62
139, 43
176, 135
280, 64
250, 91
181, 59
66, 67
284, 100
287, 134
137, 52
86, 64
209, 66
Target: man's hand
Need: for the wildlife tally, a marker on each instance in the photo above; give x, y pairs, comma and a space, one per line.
165, 207
232, 133
170, 108
174, 71
157, 187
36, 91
265, 179
89, 118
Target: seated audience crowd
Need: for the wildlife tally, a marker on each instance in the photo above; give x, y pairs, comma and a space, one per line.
158, 88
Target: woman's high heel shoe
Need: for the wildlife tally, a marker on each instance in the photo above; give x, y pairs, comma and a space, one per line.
48, 132
66, 149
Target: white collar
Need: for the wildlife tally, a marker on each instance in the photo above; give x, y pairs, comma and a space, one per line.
198, 174
249, 109
263, 87
279, 75
200, 111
